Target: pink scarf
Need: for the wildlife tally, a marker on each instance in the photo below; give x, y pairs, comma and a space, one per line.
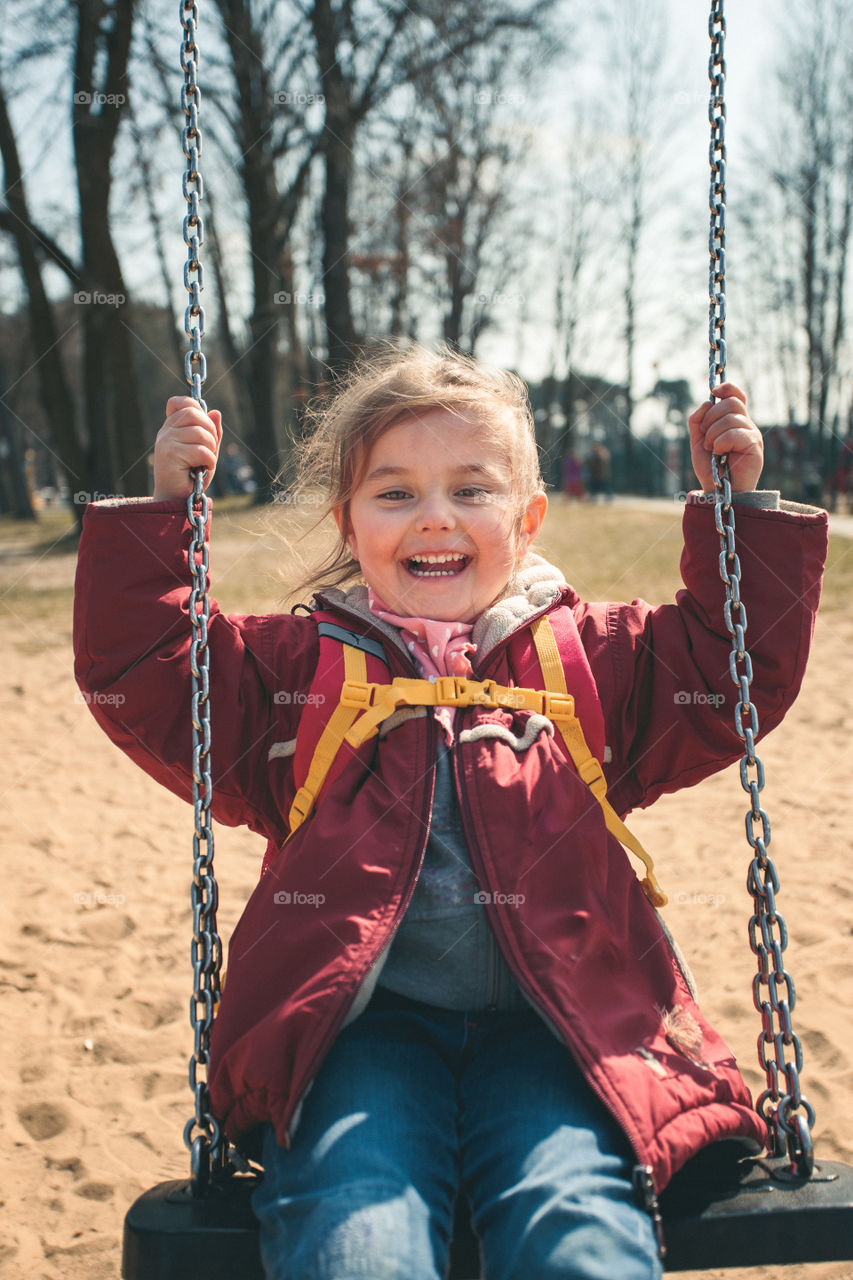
438, 648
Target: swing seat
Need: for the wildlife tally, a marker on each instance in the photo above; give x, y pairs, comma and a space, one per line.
757, 1214
754, 1215
169, 1234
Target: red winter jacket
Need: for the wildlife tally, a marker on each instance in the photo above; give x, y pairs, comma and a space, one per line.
585, 945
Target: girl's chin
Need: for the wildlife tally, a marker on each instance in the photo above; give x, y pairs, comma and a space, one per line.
441, 603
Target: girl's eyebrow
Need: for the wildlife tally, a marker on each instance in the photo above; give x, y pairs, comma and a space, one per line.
468, 468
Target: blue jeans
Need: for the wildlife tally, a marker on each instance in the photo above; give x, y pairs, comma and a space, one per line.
413, 1101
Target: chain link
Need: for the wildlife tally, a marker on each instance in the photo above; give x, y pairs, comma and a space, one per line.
195, 365
768, 934
207, 1146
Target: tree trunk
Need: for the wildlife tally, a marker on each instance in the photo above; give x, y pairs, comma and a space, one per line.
54, 391
340, 332
402, 216
15, 494
119, 441
338, 140
263, 327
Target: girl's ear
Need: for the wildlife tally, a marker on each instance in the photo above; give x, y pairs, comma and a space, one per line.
532, 522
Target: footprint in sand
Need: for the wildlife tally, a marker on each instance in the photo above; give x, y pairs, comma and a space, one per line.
105, 926
94, 1191
72, 1164
154, 1085
43, 1120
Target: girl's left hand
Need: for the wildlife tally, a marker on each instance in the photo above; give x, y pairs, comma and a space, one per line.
724, 426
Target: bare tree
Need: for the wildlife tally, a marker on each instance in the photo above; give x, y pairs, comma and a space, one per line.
267, 123
468, 183
797, 224
816, 183
637, 41
582, 254
360, 63
118, 444
57, 400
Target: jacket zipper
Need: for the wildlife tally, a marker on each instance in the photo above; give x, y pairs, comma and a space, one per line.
335, 1025
642, 1175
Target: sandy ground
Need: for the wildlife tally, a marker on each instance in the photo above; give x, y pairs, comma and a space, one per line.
95, 976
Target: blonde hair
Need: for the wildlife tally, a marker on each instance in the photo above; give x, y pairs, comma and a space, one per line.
384, 384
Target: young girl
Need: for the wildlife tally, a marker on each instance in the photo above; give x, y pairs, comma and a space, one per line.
449, 974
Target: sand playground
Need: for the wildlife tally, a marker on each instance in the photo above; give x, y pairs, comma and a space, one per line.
95, 974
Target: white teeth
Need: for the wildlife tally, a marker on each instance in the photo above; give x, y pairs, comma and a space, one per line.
451, 555
435, 559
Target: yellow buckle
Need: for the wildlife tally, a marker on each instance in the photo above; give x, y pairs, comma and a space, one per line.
457, 691
303, 803
357, 693
559, 706
593, 775
483, 691
449, 691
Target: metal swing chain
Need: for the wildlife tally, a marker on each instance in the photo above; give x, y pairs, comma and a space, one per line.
206, 951
768, 935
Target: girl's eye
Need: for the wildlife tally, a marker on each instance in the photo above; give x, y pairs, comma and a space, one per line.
469, 491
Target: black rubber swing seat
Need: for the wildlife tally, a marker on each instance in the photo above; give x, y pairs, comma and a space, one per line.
757, 1214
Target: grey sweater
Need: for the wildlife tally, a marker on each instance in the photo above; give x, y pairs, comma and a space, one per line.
445, 952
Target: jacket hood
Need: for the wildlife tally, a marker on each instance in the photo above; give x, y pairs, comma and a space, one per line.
534, 586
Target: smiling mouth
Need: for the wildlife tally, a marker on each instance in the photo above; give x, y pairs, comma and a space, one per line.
449, 566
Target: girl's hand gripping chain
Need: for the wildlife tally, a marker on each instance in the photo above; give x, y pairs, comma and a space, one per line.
724, 426
189, 438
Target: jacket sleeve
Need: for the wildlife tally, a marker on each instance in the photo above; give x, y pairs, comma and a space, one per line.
664, 673
132, 639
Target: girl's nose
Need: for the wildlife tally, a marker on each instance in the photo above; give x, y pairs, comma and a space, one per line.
434, 512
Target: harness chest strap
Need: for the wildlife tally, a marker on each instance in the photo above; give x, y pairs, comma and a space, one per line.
364, 705
585, 762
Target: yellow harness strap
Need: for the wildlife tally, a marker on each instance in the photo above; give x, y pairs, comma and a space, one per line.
355, 668
585, 762
376, 702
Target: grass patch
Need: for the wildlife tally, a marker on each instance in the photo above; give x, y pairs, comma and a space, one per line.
838, 575
606, 552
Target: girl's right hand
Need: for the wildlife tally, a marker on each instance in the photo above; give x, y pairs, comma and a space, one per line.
188, 438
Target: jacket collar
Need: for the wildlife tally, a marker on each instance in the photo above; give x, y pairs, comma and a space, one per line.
535, 586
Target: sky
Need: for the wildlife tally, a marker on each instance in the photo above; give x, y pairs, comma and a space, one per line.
678, 273
682, 168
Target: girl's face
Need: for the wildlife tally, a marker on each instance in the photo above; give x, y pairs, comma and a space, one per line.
436, 485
